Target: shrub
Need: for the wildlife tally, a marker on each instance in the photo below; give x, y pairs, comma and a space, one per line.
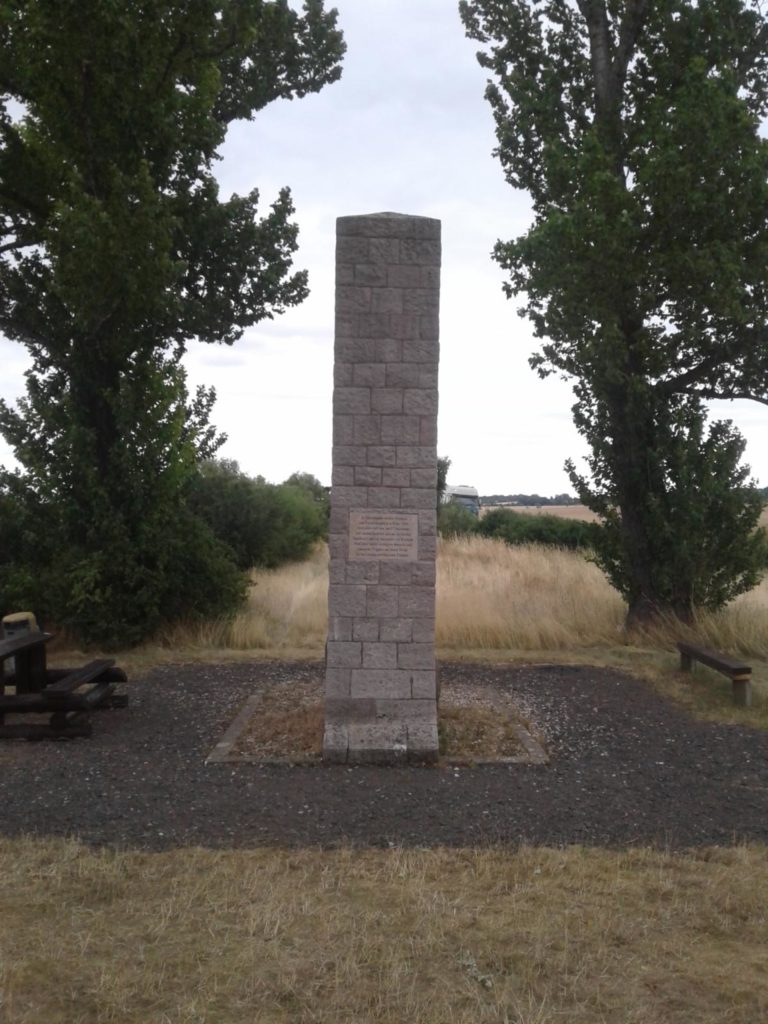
520, 528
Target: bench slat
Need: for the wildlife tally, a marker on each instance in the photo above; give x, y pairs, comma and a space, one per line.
78, 677
23, 642
716, 660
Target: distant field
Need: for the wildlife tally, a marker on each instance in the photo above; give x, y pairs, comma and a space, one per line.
570, 511
562, 511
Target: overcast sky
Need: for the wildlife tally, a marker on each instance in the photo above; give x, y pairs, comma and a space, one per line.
406, 129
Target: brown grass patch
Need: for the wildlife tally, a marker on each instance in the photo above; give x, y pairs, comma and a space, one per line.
478, 734
533, 936
287, 725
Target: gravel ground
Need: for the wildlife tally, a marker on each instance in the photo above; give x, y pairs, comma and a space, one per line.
626, 768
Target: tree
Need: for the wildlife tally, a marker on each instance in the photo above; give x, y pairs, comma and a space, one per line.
634, 128
116, 251
263, 524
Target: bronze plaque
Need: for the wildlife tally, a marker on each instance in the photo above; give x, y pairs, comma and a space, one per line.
376, 535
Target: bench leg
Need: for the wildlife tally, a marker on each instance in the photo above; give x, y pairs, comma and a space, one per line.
742, 693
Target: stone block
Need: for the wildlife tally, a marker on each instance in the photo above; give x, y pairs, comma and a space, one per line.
375, 274
411, 375
345, 274
400, 429
419, 402
338, 682
362, 572
408, 275
351, 497
388, 300
374, 325
367, 476
337, 573
416, 656
387, 400
423, 574
406, 710
366, 430
419, 350
396, 477
399, 574
417, 497
343, 430
351, 401
365, 629
387, 350
344, 710
380, 743
415, 602
396, 630
429, 327
343, 374
343, 654
423, 252
354, 298
423, 631
368, 375
382, 602
352, 348
427, 547
424, 477
338, 521
405, 327
380, 683
379, 655
338, 544
349, 455
340, 627
384, 497
422, 742
416, 456
347, 599
343, 476
424, 686
335, 743
381, 455
351, 250
420, 300
384, 250
428, 522
428, 431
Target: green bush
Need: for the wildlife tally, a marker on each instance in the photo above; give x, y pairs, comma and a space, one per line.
454, 520
263, 524
521, 528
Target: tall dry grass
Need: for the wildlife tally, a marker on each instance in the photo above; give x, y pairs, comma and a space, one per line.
533, 936
490, 597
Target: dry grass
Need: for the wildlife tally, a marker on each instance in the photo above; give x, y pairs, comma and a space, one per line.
287, 725
494, 603
537, 936
561, 511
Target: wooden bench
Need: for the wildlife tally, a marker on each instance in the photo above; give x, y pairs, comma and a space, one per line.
67, 695
739, 673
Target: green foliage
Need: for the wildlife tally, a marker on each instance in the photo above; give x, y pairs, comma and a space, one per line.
633, 126
115, 251
455, 520
263, 524
553, 531
443, 465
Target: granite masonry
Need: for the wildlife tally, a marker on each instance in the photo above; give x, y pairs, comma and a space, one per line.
380, 688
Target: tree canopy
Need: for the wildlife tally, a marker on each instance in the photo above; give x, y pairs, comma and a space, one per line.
633, 126
116, 250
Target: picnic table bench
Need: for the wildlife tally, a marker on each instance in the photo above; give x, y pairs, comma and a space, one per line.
738, 672
67, 695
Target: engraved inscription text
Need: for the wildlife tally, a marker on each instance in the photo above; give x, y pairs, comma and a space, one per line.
376, 536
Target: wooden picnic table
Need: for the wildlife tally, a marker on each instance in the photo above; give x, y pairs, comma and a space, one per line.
67, 695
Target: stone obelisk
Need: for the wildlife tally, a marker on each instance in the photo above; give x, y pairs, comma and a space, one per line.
380, 688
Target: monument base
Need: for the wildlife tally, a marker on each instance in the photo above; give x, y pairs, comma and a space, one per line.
380, 735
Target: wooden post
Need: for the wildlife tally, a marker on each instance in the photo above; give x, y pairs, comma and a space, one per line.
742, 692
